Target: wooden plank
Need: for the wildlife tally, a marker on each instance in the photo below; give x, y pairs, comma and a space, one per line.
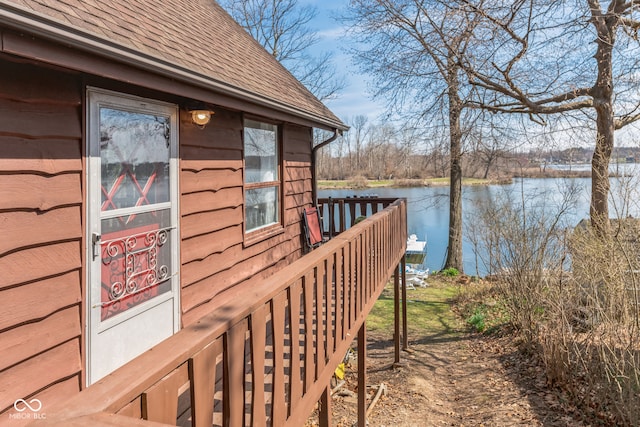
40, 120
405, 336
297, 173
36, 300
299, 201
209, 222
396, 316
33, 84
352, 212
278, 320
51, 260
340, 287
39, 372
160, 401
202, 372
296, 187
234, 377
211, 200
320, 321
104, 419
200, 247
211, 149
209, 180
309, 350
133, 409
362, 375
324, 413
25, 341
295, 293
300, 135
353, 279
258, 343
329, 305
22, 229
45, 156
204, 162
38, 192
297, 157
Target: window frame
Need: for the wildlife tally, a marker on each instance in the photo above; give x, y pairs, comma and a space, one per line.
258, 234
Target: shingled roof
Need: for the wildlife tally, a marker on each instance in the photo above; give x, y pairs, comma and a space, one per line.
196, 38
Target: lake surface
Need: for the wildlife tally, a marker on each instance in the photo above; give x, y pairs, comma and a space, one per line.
428, 209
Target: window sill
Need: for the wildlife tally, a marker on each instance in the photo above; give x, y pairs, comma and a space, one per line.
261, 234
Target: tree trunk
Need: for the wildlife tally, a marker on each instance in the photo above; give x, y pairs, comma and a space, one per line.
602, 94
454, 252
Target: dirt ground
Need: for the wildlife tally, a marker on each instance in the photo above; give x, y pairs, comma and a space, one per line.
454, 378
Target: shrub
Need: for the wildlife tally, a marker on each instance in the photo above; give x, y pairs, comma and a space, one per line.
450, 272
358, 182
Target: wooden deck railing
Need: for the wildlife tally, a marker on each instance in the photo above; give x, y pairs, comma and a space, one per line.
341, 213
267, 356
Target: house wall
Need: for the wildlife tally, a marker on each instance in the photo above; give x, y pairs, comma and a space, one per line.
42, 223
41, 205
213, 253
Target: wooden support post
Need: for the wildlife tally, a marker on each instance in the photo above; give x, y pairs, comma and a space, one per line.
324, 416
405, 334
396, 314
362, 376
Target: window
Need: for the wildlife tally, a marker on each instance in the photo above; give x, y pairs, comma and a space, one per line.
262, 176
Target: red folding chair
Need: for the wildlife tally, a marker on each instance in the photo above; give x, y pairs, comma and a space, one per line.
312, 228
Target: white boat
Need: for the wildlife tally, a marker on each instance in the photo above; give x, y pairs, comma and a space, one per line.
414, 256
416, 250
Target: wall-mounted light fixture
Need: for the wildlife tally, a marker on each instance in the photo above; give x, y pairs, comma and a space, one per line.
201, 117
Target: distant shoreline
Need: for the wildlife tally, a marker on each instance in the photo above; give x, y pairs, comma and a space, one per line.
444, 181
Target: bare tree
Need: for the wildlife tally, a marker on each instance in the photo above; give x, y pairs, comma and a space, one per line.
413, 50
577, 57
283, 27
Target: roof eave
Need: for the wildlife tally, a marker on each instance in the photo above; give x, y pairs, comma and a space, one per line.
41, 25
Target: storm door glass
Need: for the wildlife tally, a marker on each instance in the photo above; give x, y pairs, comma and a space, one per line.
135, 213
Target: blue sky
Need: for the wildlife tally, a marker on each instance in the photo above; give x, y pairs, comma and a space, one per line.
354, 100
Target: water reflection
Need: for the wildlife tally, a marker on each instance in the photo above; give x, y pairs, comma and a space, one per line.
428, 210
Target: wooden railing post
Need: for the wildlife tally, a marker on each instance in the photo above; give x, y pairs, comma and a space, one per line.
324, 415
396, 314
405, 335
362, 376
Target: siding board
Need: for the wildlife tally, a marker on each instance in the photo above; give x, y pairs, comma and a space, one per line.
42, 156
208, 222
39, 121
37, 300
39, 262
30, 84
200, 247
209, 180
23, 342
38, 192
39, 372
22, 229
211, 200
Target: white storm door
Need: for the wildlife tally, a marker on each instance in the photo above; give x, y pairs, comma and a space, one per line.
133, 285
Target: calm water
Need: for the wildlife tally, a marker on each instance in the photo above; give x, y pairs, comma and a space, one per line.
428, 210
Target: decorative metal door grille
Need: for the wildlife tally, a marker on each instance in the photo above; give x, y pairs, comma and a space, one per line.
133, 269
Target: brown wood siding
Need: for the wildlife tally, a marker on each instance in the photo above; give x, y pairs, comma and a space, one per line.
213, 254
40, 218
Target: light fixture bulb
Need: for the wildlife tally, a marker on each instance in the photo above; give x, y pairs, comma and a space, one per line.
200, 117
